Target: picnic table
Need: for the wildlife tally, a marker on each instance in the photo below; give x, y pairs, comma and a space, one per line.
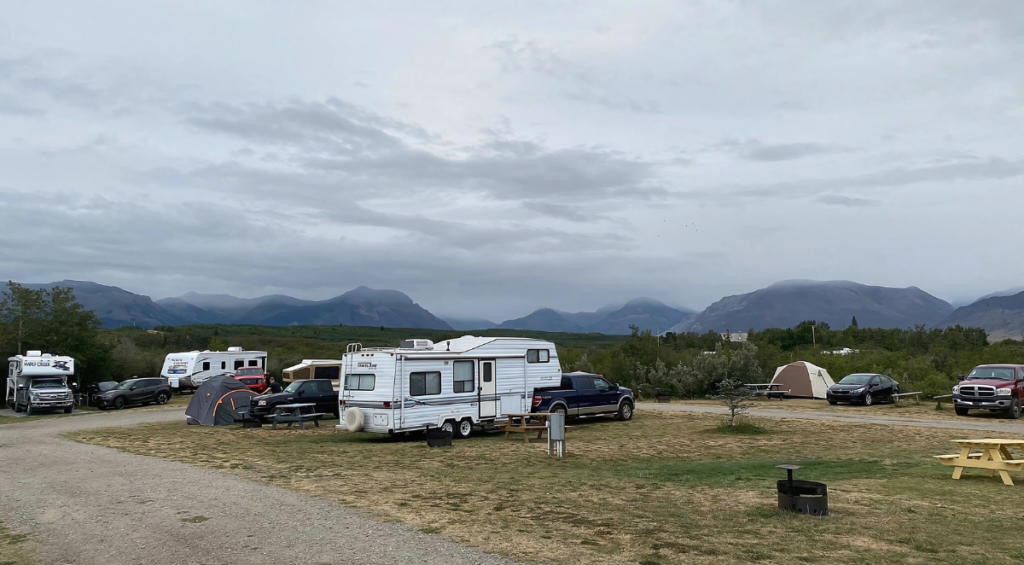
295, 413
896, 398
768, 390
526, 423
994, 457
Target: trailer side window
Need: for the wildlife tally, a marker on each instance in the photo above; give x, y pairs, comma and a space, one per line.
206, 365
421, 384
239, 363
463, 376
360, 382
537, 356
254, 363
223, 365
332, 373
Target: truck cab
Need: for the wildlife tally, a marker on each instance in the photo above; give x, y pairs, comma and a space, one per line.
995, 388
39, 381
585, 394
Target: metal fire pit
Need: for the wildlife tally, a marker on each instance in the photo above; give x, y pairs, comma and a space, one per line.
436, 437
802, 497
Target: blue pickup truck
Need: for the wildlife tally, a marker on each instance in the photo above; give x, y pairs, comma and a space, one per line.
585, 394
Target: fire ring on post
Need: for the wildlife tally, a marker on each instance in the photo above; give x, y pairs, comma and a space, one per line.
802, 497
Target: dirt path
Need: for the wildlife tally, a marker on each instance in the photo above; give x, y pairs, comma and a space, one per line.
968, 423
84, 504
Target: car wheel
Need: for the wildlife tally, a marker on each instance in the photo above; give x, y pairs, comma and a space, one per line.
626, 412
68, 409
28, 409
17, 407
119, 403
464, 429
448, 427
867, 399
559, 410
1014, 412
961, 411
162, 398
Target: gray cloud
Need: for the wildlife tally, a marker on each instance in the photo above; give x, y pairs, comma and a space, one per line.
839, 200
481, 159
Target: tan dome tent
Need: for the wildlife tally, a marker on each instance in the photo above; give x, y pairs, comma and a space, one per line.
803, 379
218, 402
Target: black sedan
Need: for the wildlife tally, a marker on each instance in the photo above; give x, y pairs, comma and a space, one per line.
134, 391
862, 388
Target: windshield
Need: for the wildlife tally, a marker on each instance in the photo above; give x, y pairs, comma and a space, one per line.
48, 384
997, 373
255, 371
124, 385
293, 387
856, 379
107, 385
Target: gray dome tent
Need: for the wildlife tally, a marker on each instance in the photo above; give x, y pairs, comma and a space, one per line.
217, 401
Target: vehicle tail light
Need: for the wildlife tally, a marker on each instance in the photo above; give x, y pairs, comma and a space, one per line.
387, 404
536, 401
341, 402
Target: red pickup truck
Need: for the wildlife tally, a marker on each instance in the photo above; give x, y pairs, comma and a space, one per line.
996, 388
252, 377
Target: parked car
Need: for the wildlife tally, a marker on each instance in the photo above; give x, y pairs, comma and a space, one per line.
253, 377
996, 388
862, 388
134, 391
92, 390
585, 394
309, 391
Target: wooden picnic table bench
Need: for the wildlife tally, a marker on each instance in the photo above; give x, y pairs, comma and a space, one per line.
995, 457
295, 414
897, 397
768, 390
526, 423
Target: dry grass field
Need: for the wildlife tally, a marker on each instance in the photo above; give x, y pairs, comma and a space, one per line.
663, 488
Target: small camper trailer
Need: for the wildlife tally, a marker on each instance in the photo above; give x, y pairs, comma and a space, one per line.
188, 370
328, 369
455, 385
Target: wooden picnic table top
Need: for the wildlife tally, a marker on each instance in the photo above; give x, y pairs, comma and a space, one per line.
988, 443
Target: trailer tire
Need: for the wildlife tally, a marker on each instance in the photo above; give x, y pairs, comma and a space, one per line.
448, 427
354, 419
464, 429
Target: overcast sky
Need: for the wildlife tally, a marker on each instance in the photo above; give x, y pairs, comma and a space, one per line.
490, 158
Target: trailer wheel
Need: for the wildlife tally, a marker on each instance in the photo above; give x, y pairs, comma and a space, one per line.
464, 429
448, 427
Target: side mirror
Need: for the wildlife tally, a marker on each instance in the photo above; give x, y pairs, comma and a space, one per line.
301, 392
132, 388
960, 377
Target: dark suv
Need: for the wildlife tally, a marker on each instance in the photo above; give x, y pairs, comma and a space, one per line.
310, 391
134, 391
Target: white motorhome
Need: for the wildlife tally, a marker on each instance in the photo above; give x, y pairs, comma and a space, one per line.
39, 381
454, 385
188, 370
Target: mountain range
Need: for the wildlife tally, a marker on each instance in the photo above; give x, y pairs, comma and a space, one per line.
786, 304
780, 305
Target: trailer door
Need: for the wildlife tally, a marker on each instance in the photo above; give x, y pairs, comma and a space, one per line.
488, 390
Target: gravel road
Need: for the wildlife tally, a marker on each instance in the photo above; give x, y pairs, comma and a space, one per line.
967, 424
84, 504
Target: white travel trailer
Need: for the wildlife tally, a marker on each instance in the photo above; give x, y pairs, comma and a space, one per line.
456, 384
190, 369
39, 380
